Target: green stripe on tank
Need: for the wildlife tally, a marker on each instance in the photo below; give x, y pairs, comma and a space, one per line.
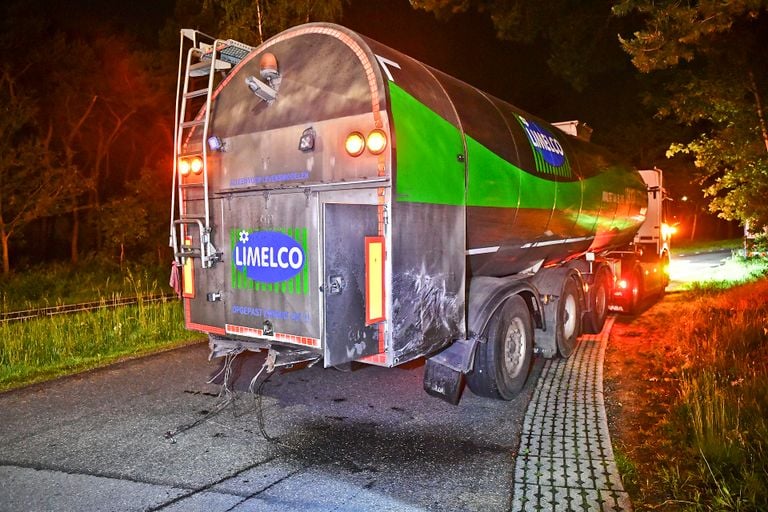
428, 170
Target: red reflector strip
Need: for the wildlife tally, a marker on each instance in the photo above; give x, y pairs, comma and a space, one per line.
252, 332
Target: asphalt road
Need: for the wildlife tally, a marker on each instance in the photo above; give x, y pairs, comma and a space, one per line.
370, 439
686, 267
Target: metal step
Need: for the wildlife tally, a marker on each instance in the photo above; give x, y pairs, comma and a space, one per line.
194, 122
192, 185
189, 217
192, 253
196, 94
203, 68
232, 52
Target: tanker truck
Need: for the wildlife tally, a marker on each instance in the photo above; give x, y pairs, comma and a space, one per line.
337, 201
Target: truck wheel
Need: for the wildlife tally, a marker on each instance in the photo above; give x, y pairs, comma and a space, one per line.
633, 303
599, 294
503, 362
568, 318
665, 271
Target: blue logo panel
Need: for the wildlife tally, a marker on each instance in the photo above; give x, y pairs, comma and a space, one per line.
268, 256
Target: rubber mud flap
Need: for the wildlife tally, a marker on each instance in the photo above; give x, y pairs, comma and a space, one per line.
442, 382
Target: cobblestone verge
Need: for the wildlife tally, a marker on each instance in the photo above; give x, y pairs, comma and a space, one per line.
565, 460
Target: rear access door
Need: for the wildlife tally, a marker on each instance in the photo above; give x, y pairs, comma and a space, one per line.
273, 257
354, 280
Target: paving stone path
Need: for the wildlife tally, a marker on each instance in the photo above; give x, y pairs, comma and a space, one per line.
566, 461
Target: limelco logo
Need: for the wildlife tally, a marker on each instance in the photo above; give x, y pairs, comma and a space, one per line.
544, 142
268, 256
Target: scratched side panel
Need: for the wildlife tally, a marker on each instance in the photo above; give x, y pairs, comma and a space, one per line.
428, 269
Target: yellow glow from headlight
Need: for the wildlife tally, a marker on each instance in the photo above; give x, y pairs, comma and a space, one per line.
667, 231
355, 144
377, 141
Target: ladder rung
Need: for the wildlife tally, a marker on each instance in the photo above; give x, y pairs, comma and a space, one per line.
196, 94
194, 122
204, 68
192, 185
194, 253
190, 153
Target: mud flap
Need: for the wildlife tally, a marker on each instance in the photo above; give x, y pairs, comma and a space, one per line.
442, 382
443, 372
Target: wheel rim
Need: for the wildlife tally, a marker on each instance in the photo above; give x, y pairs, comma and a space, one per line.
601, 300
514, 347
569, 317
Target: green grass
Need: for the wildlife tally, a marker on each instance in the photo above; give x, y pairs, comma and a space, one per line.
721, 344
737, 270
46, 348
49, 347
59, 283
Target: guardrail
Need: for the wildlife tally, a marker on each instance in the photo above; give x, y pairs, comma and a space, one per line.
65, 309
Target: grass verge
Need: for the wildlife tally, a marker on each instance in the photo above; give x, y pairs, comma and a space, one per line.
693, 428
46, 348
59, 283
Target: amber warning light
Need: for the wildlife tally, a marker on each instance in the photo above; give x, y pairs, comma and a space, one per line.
376, 142
187, 165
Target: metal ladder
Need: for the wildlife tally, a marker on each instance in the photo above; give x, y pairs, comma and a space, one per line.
190, 138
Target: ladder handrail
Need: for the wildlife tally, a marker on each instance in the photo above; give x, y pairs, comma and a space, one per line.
199, 51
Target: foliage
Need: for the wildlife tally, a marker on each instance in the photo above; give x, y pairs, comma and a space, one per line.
706, 448
25, 194
60, 283
579, 36
252, 21
101, 113
715, 70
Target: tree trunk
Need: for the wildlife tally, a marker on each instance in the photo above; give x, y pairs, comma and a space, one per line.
259, 21
693, 225
759, 107
73, 246
6, 258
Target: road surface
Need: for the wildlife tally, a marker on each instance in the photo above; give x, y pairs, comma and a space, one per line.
370, 439
687, 267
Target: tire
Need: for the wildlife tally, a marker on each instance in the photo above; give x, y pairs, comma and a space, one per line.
665, 271
568, 318
599, 297
633, 303
503, 362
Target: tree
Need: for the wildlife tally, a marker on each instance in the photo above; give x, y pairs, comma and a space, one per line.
579, 36
251, 21
712, 58
26, 194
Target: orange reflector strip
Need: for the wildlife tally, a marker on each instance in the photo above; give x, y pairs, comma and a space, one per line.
374, 279
252, 332
188, 273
